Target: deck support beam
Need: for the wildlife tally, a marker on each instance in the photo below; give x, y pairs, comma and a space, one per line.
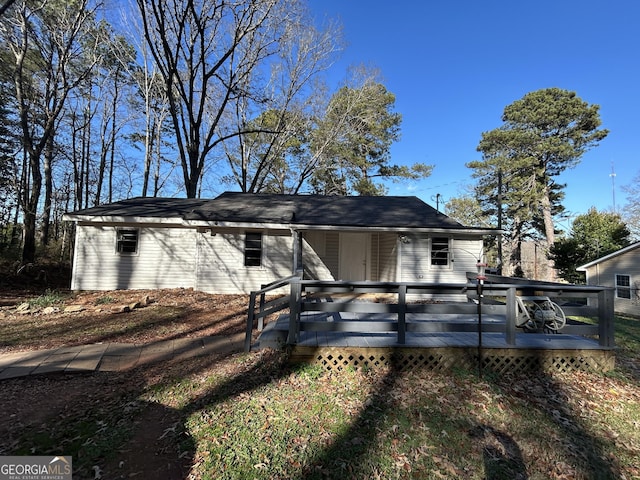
294, 310
402, 314
510, 330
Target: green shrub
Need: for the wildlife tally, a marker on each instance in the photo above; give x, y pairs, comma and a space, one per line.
48, 299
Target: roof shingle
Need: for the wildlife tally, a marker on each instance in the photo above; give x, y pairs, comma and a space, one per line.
313, 210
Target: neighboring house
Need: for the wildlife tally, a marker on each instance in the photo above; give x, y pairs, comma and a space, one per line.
620, 270
238, 242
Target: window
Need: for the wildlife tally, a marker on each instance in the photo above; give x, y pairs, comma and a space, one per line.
623, 286
440, 251
127, 241
252, 249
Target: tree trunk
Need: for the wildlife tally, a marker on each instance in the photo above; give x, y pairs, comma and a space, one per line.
86, 154
148, 152
77, 168
192, 177
48, 189
30, 211
549, 230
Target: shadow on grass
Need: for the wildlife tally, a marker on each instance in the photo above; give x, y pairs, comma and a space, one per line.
159, 446
541, 392
501, 454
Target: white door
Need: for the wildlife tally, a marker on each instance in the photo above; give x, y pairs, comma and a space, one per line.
353, 256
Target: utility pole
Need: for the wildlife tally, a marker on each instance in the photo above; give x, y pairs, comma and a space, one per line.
613, 185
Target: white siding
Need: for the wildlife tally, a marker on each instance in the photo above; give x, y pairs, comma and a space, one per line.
220, 265
388, 257
183, 257
312, 261
327, 247
416, 260
165, 259
466, 254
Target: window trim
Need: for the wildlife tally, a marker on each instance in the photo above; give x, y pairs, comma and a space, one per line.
622, 287
124, 241
433, 252
257, 252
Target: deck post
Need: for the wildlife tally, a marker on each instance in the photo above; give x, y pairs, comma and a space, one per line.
402, 313
510, 324
250, 319
294, 310
606, 318
263, 298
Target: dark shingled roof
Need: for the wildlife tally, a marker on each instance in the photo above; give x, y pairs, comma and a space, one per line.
408, 212
322, 210
144, 207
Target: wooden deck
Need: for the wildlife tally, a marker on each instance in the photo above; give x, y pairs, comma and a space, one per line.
337, 350
338, 325
275, 334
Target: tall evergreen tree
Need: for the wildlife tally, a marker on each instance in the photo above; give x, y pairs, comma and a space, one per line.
543, 134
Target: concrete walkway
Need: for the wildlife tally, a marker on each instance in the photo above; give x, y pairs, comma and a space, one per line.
110, 357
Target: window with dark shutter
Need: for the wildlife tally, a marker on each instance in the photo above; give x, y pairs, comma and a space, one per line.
253, 249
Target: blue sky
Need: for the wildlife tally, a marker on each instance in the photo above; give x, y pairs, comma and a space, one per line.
455, 65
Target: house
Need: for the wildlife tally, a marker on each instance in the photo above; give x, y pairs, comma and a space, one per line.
238, 242
620, 270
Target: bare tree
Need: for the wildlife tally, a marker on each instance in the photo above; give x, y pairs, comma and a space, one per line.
206, 50
266, 153
49, 63
154, 134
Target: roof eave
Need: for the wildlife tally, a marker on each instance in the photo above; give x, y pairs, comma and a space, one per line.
583, 268
397, 229
70, 217
343, 228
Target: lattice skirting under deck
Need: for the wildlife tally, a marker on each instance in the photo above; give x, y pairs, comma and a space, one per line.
496, 360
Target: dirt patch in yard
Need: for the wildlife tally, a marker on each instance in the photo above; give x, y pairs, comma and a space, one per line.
109, 411
64, 319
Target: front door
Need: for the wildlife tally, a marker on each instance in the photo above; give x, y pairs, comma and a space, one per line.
353, 256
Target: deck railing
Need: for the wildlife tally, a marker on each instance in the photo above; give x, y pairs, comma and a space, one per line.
329, 298
266, 307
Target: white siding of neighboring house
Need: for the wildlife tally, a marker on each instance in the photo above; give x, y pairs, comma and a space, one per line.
220, 263
165, 259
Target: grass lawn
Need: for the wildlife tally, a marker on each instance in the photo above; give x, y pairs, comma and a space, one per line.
252, 416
